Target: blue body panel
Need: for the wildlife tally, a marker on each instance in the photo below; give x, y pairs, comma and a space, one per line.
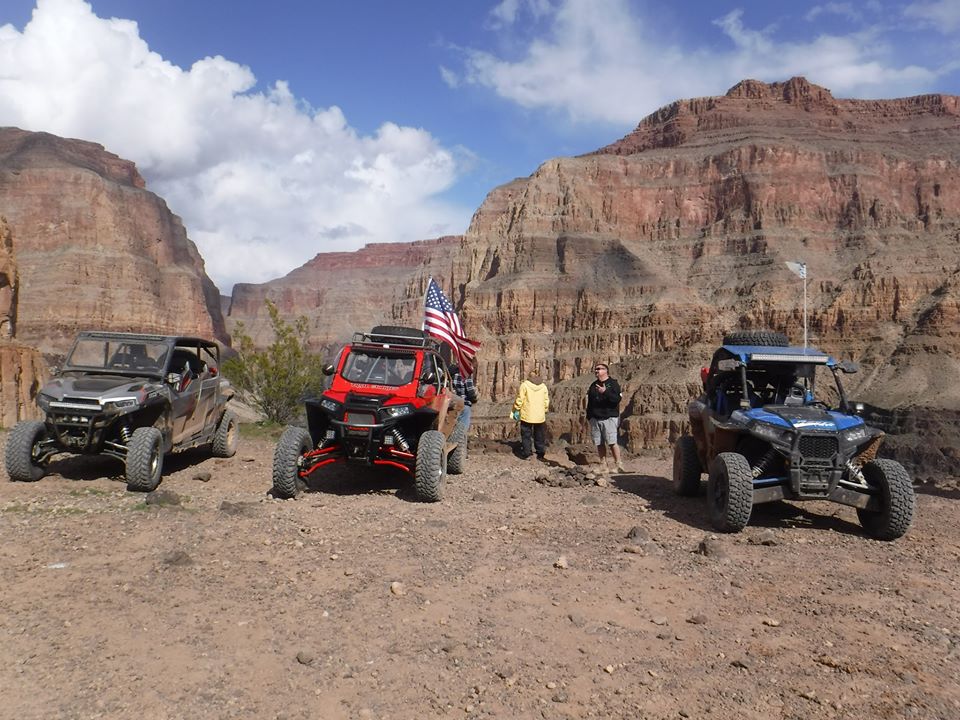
837, 421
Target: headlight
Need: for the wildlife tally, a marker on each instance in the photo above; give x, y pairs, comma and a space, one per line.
772, 432
396, 411
43, 401
118, 405
855, 435
329, 405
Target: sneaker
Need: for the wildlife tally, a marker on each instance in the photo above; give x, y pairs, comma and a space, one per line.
620, 468
603, 466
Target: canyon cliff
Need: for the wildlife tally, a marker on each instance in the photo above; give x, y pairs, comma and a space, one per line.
86, 246
644, 252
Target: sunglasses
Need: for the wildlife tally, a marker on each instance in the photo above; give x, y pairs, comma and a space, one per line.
598, 369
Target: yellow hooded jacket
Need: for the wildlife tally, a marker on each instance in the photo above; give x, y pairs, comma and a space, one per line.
532, 401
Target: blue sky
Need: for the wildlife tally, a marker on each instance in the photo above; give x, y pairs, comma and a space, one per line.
278, 130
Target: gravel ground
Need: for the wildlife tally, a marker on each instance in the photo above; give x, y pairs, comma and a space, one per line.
511, 598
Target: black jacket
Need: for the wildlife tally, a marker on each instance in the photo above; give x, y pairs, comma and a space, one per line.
606, 404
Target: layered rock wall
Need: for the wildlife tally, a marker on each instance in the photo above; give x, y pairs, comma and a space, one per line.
94, 249
643, 253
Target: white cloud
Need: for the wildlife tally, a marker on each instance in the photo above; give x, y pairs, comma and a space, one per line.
507, 11
263, 181
601, 61
942, 15
846, 10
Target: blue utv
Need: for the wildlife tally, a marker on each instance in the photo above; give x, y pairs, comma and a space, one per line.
761, 436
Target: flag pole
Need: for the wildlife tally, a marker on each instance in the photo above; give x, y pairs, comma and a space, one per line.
423, 323
804, 306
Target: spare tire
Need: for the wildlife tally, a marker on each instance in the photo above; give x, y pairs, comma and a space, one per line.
767, 338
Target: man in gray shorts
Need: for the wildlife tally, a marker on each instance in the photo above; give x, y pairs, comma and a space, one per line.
603, 414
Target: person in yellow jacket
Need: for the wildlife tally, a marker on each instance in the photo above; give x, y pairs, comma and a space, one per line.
530, 408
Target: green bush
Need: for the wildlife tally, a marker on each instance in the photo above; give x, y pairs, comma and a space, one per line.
277, 378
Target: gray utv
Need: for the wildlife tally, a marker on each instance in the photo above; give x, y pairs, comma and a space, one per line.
132, 397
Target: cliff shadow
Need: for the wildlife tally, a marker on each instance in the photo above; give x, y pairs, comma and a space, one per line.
692, 511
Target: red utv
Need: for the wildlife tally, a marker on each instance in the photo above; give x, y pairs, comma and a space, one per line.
390, 403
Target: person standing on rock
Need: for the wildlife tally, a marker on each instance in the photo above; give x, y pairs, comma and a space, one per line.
530, 408
603, 414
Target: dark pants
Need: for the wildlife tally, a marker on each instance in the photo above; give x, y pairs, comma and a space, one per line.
535, 432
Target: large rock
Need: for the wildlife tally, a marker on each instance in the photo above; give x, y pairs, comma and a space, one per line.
644, 252
94, 249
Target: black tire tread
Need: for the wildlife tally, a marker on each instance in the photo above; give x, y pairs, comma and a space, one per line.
686, 467
766, 338
144, 442
736, 515
224, 441
18, 456
430, 469
899, 500
457, 461
294, 442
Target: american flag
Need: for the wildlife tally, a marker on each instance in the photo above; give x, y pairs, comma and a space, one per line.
441, 321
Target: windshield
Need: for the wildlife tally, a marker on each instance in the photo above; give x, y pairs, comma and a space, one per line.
118, 355
378, 369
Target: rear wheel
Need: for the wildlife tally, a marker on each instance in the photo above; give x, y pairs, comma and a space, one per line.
686, 466
767, 338
293, 444
227, 436
23, 447
431, 469
457, 462
730, 492
896, 496
144, 459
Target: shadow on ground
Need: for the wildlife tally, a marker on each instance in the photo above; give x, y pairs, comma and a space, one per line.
86, 468
692, 511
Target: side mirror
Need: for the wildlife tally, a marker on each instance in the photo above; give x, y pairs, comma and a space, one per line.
174, 378
54, 371
848, 366
328, 369
428, 377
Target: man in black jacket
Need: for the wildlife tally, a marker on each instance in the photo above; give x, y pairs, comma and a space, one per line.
603, 414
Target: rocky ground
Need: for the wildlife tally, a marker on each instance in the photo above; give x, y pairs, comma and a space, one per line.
512, 598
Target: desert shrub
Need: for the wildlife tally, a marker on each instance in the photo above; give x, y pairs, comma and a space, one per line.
278, 377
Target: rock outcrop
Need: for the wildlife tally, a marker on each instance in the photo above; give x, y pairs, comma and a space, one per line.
644, 252
94, 249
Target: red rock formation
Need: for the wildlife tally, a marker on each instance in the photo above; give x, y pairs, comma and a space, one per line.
340, 293
644, 252
22, 370
94, 249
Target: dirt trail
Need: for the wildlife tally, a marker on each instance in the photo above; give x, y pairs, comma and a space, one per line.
355, 602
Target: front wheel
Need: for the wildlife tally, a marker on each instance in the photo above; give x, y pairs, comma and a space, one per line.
897, 500
686, 467
294, 443
431, 469
144, 459
23, 447
226, 437
730, 492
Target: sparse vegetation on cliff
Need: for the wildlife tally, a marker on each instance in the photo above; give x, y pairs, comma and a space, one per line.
276, 378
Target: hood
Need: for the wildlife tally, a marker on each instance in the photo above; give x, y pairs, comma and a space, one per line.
804, 418
92, 386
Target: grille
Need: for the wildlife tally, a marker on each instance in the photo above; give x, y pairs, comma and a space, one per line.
819, 449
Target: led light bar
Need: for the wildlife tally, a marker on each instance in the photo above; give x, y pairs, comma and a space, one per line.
778, 357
